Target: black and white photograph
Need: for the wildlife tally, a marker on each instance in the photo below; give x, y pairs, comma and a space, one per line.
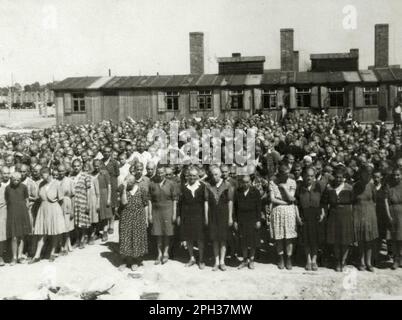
200, 150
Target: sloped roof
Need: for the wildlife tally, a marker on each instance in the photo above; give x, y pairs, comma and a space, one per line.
368, 76
269, 78
73, 83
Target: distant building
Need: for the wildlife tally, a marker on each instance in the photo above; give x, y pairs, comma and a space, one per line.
242, 87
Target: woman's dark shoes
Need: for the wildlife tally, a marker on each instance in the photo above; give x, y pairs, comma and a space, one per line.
110, 231
289, 263
222, 267
81, 245
308, 266
34, 260
281, 262
314, 266
370, 268
52, 258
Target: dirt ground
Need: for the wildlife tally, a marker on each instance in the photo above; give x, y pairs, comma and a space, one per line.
95, 268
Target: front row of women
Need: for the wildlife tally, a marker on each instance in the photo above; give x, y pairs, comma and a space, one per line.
339, 212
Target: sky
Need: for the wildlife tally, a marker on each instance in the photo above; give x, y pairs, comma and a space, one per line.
45, 40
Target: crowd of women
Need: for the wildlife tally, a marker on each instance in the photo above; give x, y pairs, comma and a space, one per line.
318, 185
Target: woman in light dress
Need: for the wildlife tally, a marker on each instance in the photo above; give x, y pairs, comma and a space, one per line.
50, 220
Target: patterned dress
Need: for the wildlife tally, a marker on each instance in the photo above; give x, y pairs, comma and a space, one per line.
133, 225
283, 217
364, 213
82, 183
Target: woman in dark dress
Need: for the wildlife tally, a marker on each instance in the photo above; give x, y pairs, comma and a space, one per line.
382, 218
393, 207
220, 216
365, 217
133, 224
162, 212
105, 194
247, 217
312, 214
112, 167
337, 200
193, 215
18, 221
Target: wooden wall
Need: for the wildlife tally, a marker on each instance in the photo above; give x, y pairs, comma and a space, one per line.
142, 104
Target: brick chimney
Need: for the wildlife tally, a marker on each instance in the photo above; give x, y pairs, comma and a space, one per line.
296, 61
196, 52
381, 44
287, 55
